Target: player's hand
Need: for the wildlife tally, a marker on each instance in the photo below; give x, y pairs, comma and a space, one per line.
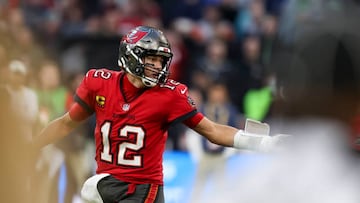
274, 143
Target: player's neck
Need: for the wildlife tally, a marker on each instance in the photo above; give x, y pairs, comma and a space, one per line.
135, 81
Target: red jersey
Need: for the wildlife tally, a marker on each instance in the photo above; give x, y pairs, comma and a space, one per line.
131, 124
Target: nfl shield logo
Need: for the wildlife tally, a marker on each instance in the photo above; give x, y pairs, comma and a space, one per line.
126, 107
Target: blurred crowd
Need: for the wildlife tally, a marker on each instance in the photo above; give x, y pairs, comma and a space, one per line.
226, 51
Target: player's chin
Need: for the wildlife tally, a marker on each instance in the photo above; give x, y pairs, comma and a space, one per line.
154, 76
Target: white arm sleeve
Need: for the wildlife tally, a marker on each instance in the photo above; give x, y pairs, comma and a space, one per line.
256, 142
249, 141
255, 136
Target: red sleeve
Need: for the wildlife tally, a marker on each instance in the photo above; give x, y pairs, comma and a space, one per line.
84, 95
182, 106
83, 101
194, 120
77, 112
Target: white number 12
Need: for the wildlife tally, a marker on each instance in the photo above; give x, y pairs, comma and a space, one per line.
106, 155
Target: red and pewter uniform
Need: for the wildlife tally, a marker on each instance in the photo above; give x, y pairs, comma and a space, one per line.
131, 123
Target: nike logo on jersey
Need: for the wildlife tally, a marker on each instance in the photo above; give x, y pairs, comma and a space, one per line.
183, 90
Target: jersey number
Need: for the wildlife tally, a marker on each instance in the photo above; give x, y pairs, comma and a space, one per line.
101, 73
171, 84
106, 155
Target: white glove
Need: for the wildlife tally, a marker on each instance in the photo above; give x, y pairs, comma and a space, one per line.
273, 143
255, 136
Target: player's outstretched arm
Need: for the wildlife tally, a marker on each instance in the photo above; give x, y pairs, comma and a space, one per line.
55, 130
233, 137
216, 133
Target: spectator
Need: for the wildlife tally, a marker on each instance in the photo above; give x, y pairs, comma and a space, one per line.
212, 65
51, 96
250, 71
50, 91
258, 101
24, 101
249, 19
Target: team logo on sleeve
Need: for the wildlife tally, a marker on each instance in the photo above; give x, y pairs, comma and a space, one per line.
100, 100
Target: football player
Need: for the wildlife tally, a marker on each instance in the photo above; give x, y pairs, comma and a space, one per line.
134, 108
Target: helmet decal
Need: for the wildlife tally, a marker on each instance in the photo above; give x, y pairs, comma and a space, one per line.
134, 36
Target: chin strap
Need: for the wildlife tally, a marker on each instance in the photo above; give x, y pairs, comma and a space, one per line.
148, 83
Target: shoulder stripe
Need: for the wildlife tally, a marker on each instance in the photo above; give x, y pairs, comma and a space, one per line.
183, 117
83, 104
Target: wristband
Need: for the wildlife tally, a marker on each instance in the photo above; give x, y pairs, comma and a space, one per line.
249, 141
